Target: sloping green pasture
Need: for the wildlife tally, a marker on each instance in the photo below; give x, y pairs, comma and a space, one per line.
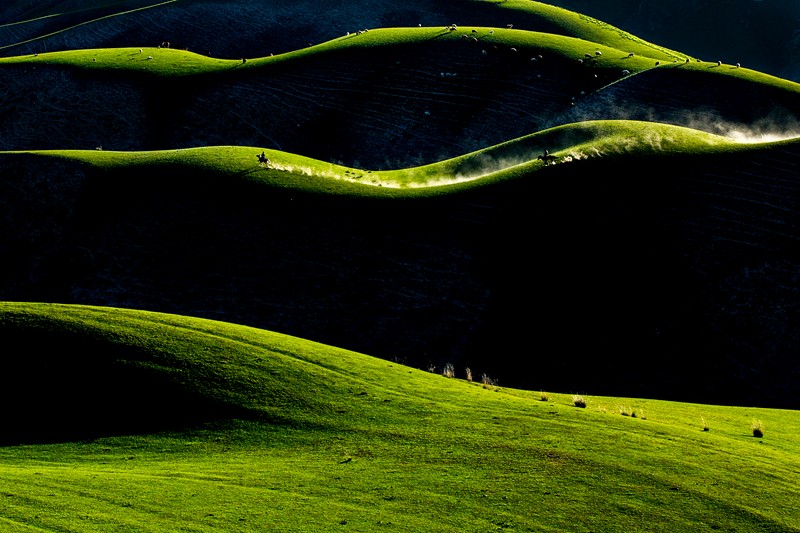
515, 159
318, 438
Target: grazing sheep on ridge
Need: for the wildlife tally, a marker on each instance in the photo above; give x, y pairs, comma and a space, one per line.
630, 54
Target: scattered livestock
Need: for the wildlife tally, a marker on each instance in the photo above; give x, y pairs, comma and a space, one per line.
719, 63
149, 57
598, 53
630, 54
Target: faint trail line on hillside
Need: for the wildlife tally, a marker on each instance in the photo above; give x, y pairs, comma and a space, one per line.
30, 20
26, 41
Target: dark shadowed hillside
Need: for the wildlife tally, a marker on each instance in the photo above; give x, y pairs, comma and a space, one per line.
665, 275
673, 278
760, 34
445, 97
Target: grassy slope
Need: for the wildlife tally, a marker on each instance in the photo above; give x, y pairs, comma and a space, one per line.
514, 159
582, 37
121, 99
358, 443
527, 15
364, 443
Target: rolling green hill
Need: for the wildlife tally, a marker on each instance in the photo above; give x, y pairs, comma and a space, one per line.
447, 93
210, 212
307, 436
637, 224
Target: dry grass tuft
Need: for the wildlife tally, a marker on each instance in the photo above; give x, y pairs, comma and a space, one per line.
543, 396
757, 427
449, 370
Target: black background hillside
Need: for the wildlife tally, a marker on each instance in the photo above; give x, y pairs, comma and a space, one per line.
671, 277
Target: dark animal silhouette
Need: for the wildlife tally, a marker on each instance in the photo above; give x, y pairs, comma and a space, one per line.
262, 159
548, 158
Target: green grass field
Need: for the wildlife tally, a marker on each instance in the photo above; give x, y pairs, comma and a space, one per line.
129, 420
515, 159
327, 439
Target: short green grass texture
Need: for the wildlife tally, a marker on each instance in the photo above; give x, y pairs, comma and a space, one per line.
364, 444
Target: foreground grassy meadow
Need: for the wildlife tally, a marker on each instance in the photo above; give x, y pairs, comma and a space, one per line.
308, 437
400, 203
